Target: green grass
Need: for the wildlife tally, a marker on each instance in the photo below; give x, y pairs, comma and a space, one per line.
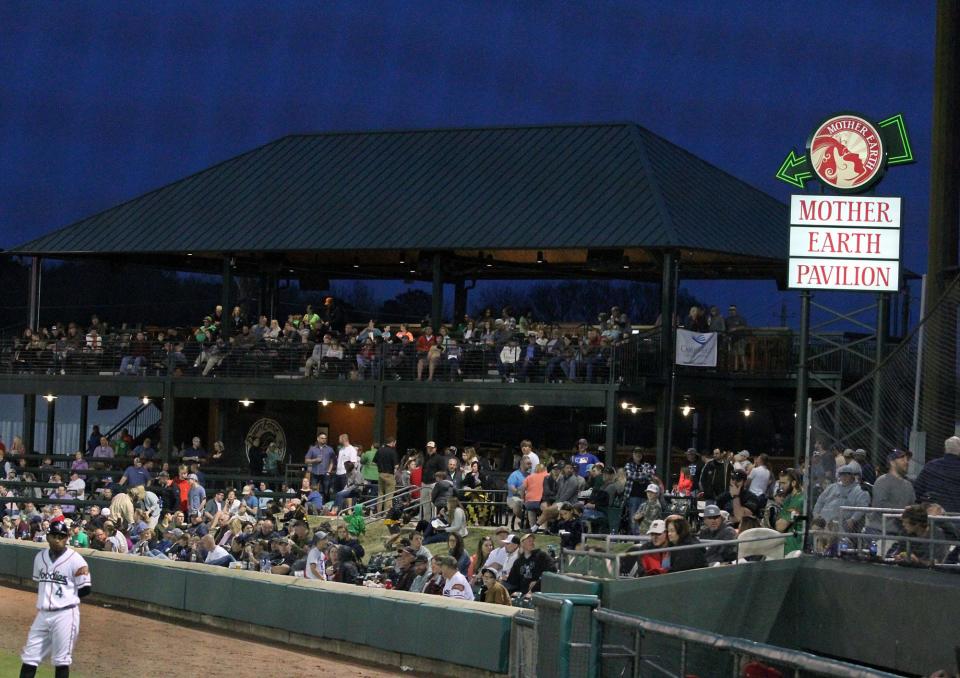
10, 666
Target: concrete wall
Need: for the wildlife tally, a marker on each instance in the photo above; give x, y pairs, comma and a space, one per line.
393, 627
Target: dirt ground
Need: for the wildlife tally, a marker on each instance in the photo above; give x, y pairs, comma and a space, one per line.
118, 644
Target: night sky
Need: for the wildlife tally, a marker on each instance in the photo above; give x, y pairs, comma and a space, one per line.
101, 102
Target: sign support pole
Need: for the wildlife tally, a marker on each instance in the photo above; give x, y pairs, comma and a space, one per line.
800, 420
883, 301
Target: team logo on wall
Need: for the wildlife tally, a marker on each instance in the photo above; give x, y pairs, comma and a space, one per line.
847, 153
265, 431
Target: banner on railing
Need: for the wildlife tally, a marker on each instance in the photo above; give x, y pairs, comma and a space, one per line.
698, 349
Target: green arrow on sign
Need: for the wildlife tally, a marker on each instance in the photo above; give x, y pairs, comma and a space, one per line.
894, 131
792, 170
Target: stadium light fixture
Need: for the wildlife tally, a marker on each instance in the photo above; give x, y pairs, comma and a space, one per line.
476, 408
746, 409
49, 397
145, 400
634, 409
686, 409
624, 405
526, 407
353, 405
462, 407
324, 402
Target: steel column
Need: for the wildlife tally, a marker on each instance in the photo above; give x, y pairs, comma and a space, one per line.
800, 407
883, 300
36, 269
436, 307
611, 430
226, 296
51, 425
166, 427
84, 406
668, 310
29, 421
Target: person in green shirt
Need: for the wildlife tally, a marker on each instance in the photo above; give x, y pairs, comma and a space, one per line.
120, 447
790, 509
368, 467
78, 538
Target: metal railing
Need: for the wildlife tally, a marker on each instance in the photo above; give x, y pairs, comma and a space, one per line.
626, 640
369, 506
770, 352
579, 562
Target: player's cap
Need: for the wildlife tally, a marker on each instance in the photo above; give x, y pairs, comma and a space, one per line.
320, 536
653, 487
192, 476
105, 512
58, 528
712, 511
511, 539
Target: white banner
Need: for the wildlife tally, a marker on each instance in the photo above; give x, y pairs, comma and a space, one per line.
830, 241
844, 210
856, 275
696, 348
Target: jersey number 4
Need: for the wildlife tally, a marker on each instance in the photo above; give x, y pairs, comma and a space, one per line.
59, 592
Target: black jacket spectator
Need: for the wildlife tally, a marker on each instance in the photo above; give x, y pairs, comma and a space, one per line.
688, 559
528, 569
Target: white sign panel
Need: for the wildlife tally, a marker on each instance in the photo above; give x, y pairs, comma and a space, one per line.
839, 210
830, 241
696, 348
857, 275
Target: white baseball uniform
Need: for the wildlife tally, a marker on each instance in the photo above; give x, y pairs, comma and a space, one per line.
55, 628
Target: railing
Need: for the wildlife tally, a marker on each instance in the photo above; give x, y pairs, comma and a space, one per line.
639, 646
608, 564
137, 421
756, 352
940, 554
369, 506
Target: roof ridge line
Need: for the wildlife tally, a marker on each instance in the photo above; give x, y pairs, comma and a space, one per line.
654, 183
481, 128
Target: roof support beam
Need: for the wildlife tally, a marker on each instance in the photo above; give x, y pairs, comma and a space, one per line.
36, 268
226, 295
668, 310
436, 309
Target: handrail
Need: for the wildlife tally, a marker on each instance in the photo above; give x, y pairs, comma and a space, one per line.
793, 659
389, 497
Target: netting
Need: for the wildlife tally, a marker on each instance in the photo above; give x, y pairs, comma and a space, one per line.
906, 401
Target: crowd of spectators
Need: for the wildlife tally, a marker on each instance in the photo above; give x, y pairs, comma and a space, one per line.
323, 343
439, 495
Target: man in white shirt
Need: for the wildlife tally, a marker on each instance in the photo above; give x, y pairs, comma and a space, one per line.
760, 476
502, 559
455, 584
347, 453
216, 555
77, 486
317, 559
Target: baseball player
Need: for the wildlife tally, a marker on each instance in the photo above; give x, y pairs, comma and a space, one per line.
63, 579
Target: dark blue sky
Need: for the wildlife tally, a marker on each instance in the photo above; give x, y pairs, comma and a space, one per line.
100, 102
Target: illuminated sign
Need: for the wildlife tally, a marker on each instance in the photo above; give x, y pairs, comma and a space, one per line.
844, 243
848, 153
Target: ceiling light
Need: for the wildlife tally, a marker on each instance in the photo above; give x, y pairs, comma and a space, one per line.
360, 402
403, 257
540, 258
145, 400
356, 262
353, 406
246, 402
49, 397
747, 411
526, 407
634, 409
462, 407
476, 408
624, 404
686, 409
324, 402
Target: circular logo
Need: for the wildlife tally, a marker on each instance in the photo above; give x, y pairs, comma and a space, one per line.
263, 433
847, 153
